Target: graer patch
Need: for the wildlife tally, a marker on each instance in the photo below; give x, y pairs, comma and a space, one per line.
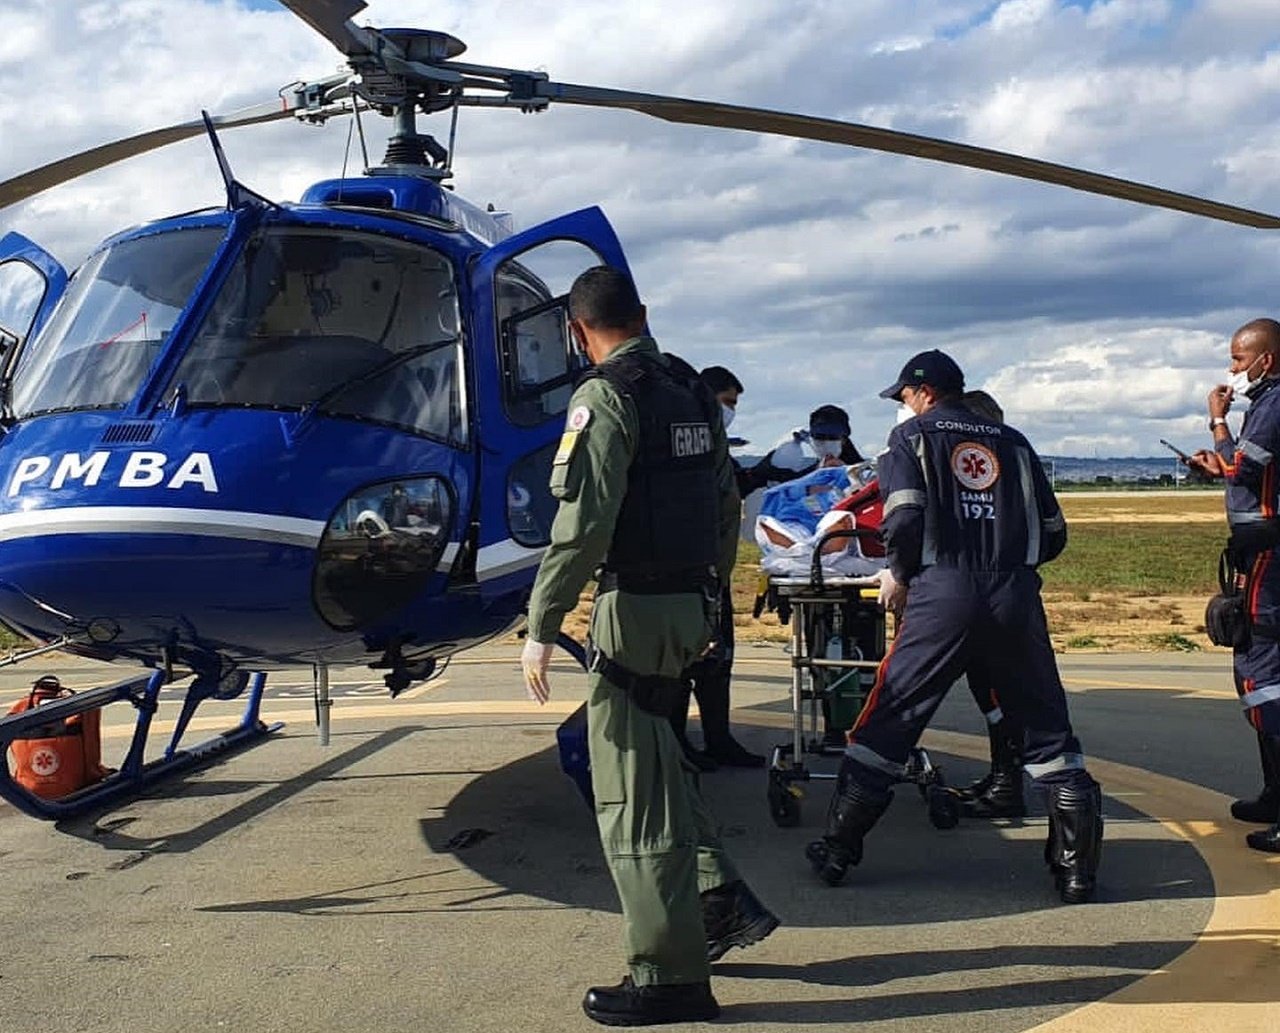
690, 439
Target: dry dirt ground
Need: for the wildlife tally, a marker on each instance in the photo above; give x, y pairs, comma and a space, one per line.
1101, 621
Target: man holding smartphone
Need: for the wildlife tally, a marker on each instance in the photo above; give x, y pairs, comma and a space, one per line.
1248, 465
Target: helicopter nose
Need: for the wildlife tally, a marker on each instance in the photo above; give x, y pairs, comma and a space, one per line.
140, 593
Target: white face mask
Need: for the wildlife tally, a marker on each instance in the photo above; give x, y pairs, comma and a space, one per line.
1240, 382
727, 415
905, 412
826, 448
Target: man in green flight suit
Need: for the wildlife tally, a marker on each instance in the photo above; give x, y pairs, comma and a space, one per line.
647, 495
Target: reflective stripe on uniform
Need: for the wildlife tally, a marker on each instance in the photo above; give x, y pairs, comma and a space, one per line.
929, 535
1062, 762
1246, 516
1055, 523
903, 497
994, 717
1257, 697
1254, 452
868, 758
1030, 507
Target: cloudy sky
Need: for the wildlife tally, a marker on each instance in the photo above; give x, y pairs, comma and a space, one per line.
811, 270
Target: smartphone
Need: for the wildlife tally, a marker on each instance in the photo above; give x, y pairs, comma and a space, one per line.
1175, 450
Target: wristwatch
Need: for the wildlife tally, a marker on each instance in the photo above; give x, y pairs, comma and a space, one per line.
1216, 421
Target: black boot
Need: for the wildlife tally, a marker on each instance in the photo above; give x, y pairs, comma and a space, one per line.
976, 788
654, 1005
1268, 840
1265, 809
729, 753
998, 794
1074, 847
711, 687
854, 810
734, 917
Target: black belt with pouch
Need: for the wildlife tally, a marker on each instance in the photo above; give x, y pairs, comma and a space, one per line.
652, 693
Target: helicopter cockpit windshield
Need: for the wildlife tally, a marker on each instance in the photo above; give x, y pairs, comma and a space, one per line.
353, 324
112, 322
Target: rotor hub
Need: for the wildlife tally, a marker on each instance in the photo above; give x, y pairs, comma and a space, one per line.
425, 45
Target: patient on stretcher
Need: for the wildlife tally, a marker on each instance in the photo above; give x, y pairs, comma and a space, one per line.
795, 516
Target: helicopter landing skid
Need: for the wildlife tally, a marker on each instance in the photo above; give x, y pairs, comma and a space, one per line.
135, 773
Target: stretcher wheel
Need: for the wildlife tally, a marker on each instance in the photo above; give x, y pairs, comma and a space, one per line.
944, 807
784, 805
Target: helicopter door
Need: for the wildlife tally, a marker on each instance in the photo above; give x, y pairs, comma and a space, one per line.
519, 290
31, 282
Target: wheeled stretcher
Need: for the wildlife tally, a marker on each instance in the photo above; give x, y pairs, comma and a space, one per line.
837, 645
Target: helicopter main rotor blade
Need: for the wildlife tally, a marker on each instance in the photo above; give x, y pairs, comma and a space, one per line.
332, 19
65, 169
804, 127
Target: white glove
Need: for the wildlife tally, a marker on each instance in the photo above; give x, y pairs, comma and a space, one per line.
892, 596
535, 659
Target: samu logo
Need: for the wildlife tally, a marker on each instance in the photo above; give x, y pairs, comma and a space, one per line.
140, 470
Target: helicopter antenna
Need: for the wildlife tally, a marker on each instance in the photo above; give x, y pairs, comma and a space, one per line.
346, 154
237, 193
453, 135
364, 147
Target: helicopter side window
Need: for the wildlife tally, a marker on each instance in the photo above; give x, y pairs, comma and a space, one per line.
353, 324
538, 360
22, 288
111, 324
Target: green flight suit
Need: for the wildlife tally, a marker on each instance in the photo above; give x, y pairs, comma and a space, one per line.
659, 838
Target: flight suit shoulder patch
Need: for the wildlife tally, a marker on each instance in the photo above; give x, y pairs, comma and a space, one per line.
568, 442
573, 428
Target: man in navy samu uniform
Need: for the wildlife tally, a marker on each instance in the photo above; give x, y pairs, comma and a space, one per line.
1249, 467
968, 517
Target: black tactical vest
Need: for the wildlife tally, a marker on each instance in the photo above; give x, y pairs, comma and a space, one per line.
668, 524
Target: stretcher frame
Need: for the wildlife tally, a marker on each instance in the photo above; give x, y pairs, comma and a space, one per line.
799, 601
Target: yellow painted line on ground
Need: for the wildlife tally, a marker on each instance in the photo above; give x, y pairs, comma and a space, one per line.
360, 710
1227, 979
424, 688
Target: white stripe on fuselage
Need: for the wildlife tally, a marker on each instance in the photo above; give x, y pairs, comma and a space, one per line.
215, 523
493, 561
505, 557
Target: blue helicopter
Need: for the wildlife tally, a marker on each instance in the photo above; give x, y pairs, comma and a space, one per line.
313, 433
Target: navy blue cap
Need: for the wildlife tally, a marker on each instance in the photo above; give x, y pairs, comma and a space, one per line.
829, 421
935, 368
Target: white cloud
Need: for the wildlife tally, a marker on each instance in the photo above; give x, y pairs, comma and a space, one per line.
1018, 14
1119, 14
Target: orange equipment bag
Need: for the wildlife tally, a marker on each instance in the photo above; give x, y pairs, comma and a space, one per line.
63, 756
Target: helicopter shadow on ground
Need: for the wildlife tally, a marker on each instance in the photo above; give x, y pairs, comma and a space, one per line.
106, 827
